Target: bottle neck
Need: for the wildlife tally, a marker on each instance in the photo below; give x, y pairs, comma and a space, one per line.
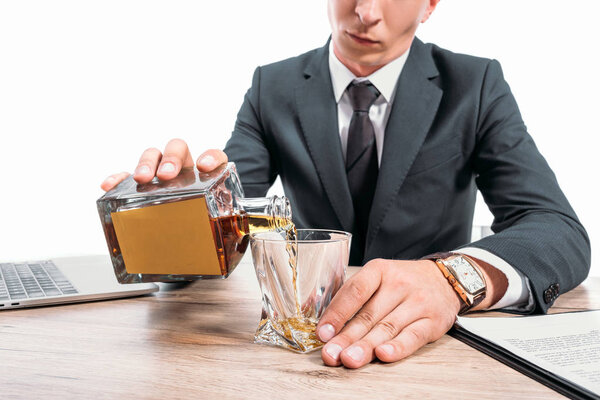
276, 210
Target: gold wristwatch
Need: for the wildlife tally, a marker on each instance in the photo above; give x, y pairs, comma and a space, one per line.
464, 276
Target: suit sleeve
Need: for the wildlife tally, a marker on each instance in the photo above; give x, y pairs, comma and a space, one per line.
247, 146
536, 230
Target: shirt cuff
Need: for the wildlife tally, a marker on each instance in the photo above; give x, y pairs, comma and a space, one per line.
518, 296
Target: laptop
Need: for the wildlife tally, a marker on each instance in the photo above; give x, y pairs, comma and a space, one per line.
62, 281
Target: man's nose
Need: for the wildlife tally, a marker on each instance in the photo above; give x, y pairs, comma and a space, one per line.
369, 11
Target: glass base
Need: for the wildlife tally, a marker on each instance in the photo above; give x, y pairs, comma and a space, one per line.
297, 334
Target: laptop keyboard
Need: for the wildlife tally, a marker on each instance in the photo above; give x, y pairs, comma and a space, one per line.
32, 280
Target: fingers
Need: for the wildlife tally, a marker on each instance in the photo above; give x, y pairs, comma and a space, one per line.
146, 168
356, 343
392, 326
348, 300
168, 164
381, 304
176, 156
113, 180
411, 339
210, 160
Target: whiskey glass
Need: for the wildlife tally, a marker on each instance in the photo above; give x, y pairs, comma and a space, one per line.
295, 296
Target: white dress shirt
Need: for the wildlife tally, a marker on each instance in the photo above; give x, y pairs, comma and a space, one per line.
518, 295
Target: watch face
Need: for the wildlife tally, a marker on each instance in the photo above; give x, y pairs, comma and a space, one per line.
466, 274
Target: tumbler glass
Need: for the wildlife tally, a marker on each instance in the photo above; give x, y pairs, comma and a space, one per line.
293, 301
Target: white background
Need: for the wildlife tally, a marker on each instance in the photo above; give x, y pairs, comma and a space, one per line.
86, 86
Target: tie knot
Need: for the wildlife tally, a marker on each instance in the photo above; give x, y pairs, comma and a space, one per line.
362, 95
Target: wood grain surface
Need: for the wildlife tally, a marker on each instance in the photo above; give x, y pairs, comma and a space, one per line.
196, 341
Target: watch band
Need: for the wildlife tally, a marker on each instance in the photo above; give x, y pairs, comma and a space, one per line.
466, 302
464, 306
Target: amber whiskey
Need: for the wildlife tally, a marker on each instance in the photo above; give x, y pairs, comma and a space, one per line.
231, 235
195, 226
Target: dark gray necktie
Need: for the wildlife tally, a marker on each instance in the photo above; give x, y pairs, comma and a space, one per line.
361, 162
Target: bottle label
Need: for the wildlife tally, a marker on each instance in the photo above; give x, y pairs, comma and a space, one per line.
170, 238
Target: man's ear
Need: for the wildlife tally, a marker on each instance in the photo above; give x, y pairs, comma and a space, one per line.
429, 9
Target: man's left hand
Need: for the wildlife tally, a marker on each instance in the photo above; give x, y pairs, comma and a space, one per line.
388, 310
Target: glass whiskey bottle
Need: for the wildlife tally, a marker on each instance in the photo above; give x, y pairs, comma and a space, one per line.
194, 226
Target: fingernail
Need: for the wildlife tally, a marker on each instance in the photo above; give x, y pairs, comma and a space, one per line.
109, 179
333, 350
326, 332
143, 170
167, 167
387, 349
207, 161
356, 353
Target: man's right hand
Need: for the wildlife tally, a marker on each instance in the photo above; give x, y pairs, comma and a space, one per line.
166, 165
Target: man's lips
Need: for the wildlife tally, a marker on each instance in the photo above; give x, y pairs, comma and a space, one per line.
361, 39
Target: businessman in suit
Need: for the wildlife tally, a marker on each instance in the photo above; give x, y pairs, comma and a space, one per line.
389, 138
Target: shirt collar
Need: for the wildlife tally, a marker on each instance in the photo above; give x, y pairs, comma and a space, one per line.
384, 79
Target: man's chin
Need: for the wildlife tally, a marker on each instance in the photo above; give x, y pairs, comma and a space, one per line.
356, 56
372, 60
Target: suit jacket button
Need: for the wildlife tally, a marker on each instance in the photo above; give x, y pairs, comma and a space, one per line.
548, 295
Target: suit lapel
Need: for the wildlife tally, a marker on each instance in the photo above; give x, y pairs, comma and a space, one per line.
415, 105
317, 112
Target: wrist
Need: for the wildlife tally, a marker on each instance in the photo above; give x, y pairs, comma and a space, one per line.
453, 299
496, 282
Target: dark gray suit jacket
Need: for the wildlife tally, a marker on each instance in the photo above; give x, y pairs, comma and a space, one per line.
454, 128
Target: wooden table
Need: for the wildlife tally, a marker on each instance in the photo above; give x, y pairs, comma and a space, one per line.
197, 342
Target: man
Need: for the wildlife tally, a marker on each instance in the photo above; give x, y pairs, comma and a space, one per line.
431, 127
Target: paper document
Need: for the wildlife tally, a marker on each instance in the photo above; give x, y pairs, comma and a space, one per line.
566, 345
